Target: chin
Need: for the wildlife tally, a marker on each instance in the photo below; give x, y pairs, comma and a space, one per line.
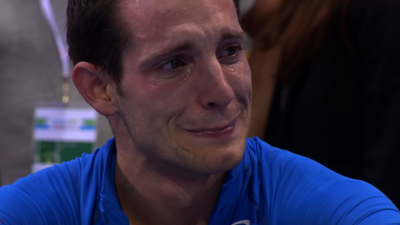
233, 160
228, 158
210, 157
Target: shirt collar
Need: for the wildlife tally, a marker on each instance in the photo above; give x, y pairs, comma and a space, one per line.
110, 208
235, 183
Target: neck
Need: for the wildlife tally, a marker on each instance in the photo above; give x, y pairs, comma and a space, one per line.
151, 197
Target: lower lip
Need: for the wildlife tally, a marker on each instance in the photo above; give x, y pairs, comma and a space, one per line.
228, 131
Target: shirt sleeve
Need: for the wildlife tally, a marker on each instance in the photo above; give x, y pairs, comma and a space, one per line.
352, 202
46, 197
309, 193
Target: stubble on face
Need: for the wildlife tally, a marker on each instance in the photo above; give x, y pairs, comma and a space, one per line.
158, 116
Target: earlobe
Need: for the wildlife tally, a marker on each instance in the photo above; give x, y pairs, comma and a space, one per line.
94, 88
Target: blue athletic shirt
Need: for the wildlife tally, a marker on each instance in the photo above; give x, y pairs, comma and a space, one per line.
270, 186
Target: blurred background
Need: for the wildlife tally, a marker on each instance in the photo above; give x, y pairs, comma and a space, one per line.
326, 83
30, 75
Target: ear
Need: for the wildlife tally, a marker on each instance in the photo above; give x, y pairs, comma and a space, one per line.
97, 90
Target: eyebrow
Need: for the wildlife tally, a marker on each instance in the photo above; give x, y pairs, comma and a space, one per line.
230, 34
190, 45
186, 46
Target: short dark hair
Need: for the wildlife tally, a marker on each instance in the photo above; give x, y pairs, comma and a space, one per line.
95, 34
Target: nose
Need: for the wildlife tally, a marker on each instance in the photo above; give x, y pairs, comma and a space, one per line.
216, 91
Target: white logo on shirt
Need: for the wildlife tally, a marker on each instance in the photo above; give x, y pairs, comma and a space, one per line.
242, 222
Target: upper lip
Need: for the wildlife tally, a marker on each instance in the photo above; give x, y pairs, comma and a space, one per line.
214, 128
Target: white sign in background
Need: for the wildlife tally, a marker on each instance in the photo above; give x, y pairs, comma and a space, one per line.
56, 129
65, 124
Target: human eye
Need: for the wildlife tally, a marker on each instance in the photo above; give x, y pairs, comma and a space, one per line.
173, 65
229, 51
230, 54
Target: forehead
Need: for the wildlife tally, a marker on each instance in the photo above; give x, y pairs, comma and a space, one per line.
149, 19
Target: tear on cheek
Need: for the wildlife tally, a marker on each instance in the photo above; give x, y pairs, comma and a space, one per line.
187, 74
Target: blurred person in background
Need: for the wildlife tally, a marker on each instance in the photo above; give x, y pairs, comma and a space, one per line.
326, 83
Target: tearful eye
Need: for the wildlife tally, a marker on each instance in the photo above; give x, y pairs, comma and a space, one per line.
173, 65
230, 54
230, 51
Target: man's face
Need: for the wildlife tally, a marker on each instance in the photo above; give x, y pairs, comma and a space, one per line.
186, 84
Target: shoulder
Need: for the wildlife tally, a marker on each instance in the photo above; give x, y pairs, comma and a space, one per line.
312, 193
54, 195
274, 160
285, 170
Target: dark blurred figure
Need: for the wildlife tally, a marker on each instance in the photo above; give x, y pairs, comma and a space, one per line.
326, 83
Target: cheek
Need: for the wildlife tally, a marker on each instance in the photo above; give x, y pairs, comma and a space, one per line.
241, 78
159, 107
162, 98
